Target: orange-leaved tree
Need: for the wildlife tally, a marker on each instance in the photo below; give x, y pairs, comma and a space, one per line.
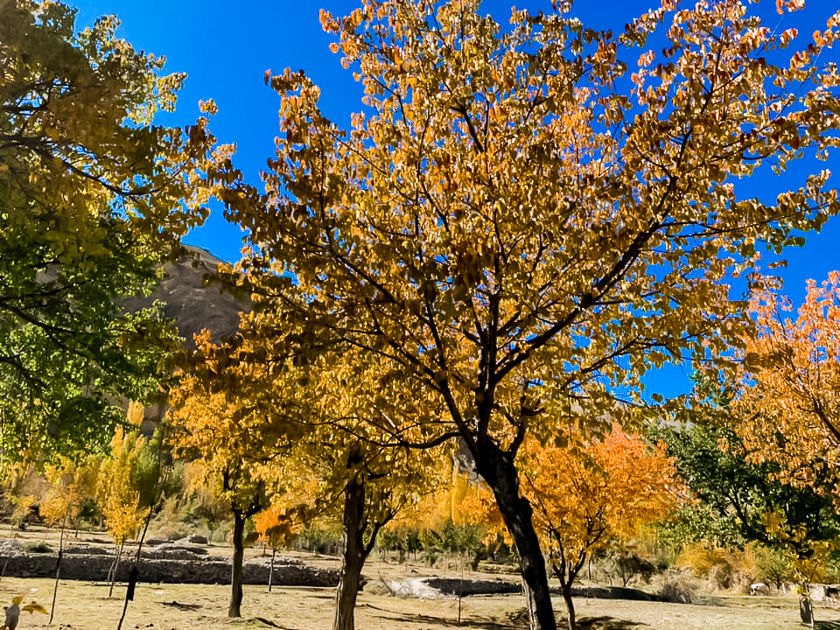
588, 496
277, 526
790, 408
520, 225
791, 384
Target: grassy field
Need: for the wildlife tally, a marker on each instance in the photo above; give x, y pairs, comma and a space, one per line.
85, 606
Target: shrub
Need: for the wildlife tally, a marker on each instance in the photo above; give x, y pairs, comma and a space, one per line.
39, 547
723, 568
675, 588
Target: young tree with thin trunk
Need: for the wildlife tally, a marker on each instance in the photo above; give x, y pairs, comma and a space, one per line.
119, 498
208, 433
71, 483
523, 220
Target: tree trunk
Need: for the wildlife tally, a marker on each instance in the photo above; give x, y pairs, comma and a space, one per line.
114, 568
234, 610
498, 470
570, 605
354, 557
271, 570
57, 569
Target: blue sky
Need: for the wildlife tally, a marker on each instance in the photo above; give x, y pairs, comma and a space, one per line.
226, 47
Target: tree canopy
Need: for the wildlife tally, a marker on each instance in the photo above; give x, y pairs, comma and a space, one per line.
522, 224
93, 194
790, 383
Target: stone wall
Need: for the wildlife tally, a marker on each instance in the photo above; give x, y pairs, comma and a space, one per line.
156, 565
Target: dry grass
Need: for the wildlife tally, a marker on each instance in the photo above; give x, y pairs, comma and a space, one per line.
85, 606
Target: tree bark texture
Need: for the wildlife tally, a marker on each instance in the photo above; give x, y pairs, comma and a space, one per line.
234, 610
355, 554
498, 470
570, 605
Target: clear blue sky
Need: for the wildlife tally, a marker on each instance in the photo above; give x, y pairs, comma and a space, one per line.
226, 47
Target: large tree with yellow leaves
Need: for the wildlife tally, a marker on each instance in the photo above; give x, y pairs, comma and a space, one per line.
523, 226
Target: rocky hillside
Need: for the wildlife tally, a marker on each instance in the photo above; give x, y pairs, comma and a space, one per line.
193, 300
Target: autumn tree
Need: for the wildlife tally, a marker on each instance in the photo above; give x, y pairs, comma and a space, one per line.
71, 483
93, 194
118, 494
586, 496
325, 434
209, 434
790, 412
277, 526
523, 226
589, 495
791, 380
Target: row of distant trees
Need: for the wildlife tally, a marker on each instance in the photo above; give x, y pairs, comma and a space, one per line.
515, 230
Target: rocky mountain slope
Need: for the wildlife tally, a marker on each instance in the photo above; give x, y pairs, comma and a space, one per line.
192, 299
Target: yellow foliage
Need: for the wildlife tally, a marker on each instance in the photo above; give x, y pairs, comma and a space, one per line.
70, 484
119, 499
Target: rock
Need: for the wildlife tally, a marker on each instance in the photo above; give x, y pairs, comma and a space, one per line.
10, 547
175, 551
89, 550
456, 586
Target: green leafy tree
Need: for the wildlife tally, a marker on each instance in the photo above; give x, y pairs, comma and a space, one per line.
521, 225
735, 496
92, 195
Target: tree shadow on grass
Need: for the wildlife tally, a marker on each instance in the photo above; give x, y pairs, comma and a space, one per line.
514, 621
437, 622
827, 625
605, 622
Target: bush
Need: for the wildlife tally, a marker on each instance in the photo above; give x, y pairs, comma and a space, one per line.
675, 588
723, 568
40, 547
627, 565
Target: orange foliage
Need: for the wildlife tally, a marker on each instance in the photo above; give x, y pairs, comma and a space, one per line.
587, 495
791, 381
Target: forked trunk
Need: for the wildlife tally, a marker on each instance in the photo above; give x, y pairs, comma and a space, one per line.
355, 554
234, 610
499, 471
